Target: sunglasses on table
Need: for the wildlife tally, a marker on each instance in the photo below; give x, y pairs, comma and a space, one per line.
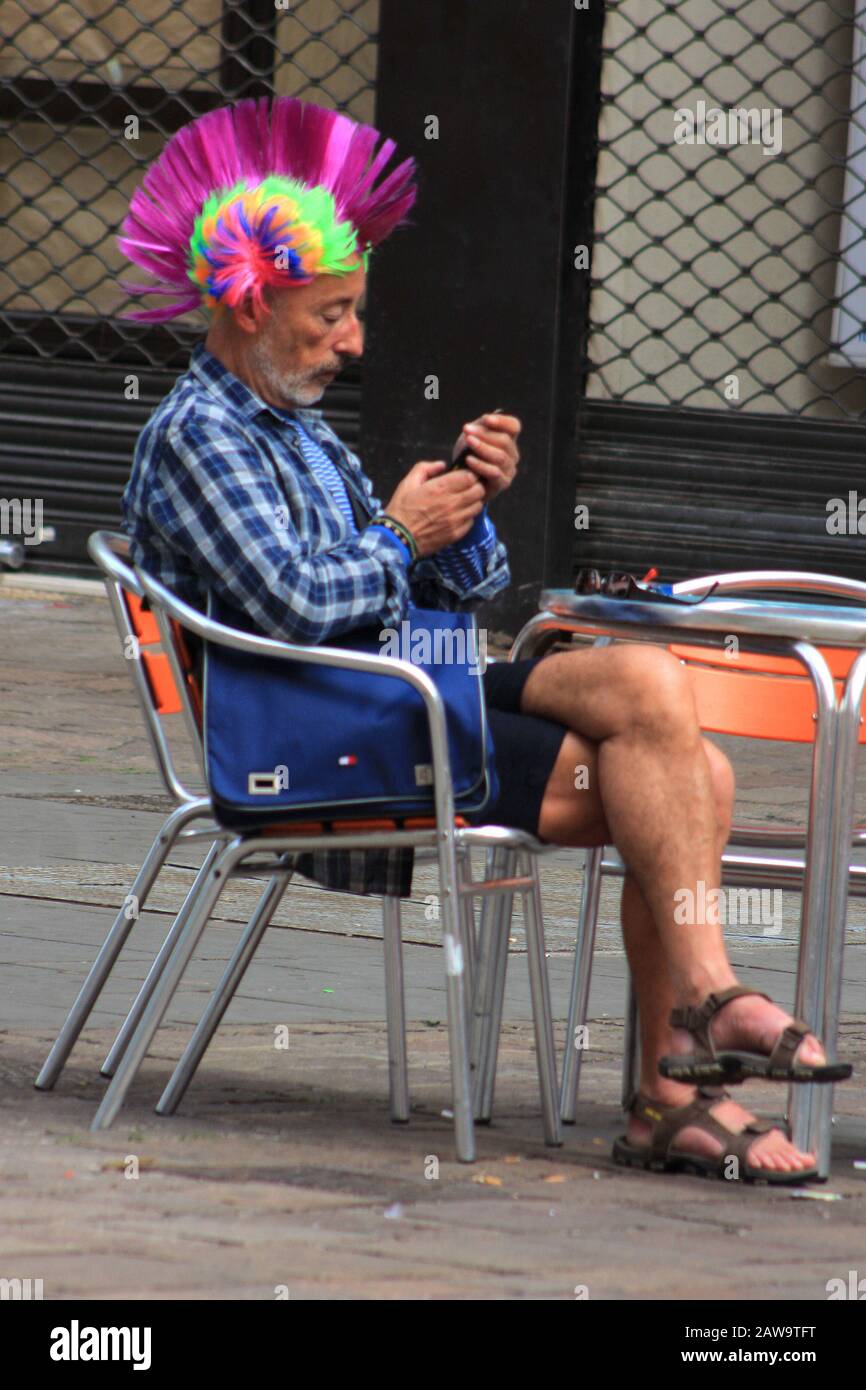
619, 584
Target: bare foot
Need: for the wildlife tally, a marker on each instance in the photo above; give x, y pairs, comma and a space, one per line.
772, 1151
753, 1024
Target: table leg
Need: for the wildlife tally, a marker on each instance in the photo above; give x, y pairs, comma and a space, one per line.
847, 737
803, 1108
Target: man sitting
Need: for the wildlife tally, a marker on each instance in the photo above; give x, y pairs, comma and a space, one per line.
267, 217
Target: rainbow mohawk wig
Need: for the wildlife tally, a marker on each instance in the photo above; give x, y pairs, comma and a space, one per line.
264, 192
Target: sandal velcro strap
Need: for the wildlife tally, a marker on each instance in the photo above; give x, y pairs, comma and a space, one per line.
782, 1055
760, 1127
738, 1145
670, 1120
695, 1018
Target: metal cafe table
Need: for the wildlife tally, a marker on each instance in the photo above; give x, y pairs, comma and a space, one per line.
792, 629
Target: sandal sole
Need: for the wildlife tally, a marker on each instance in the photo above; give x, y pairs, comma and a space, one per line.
628, 1157
732, 1069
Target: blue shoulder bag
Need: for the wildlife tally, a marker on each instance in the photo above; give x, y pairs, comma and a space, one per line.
288, 739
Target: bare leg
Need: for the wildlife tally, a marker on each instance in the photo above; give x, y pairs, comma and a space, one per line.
655, 785
656, 998
581, 817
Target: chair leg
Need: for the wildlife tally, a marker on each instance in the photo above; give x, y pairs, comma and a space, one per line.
455, 977
490, 990
542, 1019
630, 1048
502, 923
166, 985
223, 994
395, 1007
115, 941
580, 981
467, 924
483, 981
139, 1004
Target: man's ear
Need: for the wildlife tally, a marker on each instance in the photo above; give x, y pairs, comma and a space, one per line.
250, 315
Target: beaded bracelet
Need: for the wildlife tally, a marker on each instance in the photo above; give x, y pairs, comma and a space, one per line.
399, 530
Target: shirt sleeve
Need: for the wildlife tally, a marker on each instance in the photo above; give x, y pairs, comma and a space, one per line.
460, 576
465, 562
221, 508
394, 540
463, 575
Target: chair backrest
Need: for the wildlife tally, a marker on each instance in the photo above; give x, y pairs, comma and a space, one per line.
157, 660
164, 679
753, 695
156, 664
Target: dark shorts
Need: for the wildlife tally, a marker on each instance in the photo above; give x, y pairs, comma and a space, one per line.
526, 748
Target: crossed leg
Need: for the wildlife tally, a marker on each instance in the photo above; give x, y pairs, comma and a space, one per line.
663, 794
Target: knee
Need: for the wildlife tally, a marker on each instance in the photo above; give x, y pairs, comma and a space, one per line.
658, 690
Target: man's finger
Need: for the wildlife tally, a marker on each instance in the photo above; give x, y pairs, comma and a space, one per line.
488, 450
459, 479
479, 489
509, 423
487, 470
476, 501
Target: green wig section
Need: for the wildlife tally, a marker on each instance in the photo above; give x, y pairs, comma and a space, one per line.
315, 208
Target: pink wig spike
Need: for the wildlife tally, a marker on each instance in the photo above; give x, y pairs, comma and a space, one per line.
251, 141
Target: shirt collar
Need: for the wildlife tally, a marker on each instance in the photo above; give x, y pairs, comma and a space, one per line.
229, 389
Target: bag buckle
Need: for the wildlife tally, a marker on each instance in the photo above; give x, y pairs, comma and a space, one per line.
264, 783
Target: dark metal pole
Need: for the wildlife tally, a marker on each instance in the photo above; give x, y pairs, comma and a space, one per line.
248, 48
478, 304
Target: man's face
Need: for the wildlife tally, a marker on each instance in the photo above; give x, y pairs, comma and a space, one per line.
309, 336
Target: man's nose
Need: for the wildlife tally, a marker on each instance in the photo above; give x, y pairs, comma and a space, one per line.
351, 341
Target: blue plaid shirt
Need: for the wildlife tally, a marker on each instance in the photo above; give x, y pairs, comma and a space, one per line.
222, 497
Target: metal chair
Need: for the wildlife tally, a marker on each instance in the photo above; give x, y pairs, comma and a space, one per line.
157, 690
758, 696
153, 682
231, 855
155, 686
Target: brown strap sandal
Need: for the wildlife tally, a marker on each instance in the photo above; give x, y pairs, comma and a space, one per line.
732, 1162
732, 1066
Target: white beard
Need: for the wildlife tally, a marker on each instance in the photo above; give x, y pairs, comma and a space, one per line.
288, 389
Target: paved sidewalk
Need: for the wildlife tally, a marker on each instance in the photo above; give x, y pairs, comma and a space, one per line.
281, 1168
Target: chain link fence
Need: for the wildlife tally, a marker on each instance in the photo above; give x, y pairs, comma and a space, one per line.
716, 266
89, 92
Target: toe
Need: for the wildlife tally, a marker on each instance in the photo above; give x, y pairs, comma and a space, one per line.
811, 1053
776, 1154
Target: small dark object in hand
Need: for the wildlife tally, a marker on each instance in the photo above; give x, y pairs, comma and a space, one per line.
460, 461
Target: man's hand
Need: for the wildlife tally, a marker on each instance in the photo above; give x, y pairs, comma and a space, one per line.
438, 508
495, 456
